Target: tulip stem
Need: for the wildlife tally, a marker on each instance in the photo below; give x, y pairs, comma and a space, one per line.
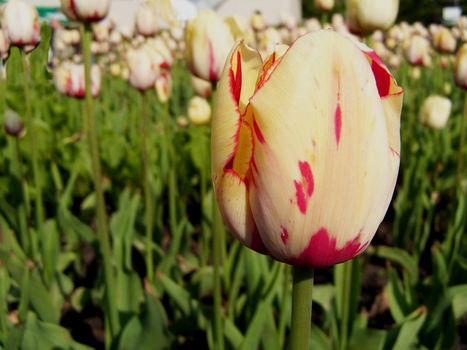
218, 231
22, 208
460, 161
147, 190
39, 208
301, 308
102, 227
347, 285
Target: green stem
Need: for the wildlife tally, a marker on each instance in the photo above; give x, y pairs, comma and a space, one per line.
283, 314
218, 231
301, 308
460, 159
347, 285
39, 207
147, 191
21, 212
102, 228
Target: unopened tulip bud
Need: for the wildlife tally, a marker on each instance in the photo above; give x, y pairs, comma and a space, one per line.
417, 50
312, 25
365, 16
13, 124
145, 21
164, 86
415, 73
85, 10
305, 150
460, 67
208, 41
435, 111
143, 70
21, 24
199, 111
444, 41
182, 121
258, 22
324, 5
201, 87
115, 69
69, 79
447, 88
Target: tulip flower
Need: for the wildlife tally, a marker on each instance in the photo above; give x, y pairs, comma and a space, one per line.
443, 41
460, 67
368, 15
69, 80
145, 21
258, 22
85, 10
435, 111
13, 124
305, 148
143, 70
324, 5
417, 51
199, 111
164, 86
21, 24
208, 40
201, 87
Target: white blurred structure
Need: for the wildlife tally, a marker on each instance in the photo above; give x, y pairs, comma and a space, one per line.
122, 10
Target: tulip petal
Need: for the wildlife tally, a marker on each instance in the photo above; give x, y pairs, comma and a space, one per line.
325, 162
232, 143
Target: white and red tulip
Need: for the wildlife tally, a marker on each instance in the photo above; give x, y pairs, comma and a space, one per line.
305, 148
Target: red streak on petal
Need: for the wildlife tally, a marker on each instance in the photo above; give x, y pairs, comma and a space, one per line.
258, 132
394, 152
338, 123
383, 79
236, 80
322, 251
301, 201
305, 169
213, 76
284, 235
305, 187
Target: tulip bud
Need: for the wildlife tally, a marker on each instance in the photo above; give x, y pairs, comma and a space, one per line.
258, 22
324, 5
201, 87
145, 21
460, 67
13, 124
21, 24
143, 70
435, 111
164, 86
208, 41
417, 50
305, 148
199, 111
85, 10
444, 41
368, 15
69, 80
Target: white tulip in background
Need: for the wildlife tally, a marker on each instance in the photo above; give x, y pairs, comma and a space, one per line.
20, 22
435, 111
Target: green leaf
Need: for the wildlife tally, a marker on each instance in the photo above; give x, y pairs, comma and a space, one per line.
148, 330
400, 257
367, 339
398, 305
408, 333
